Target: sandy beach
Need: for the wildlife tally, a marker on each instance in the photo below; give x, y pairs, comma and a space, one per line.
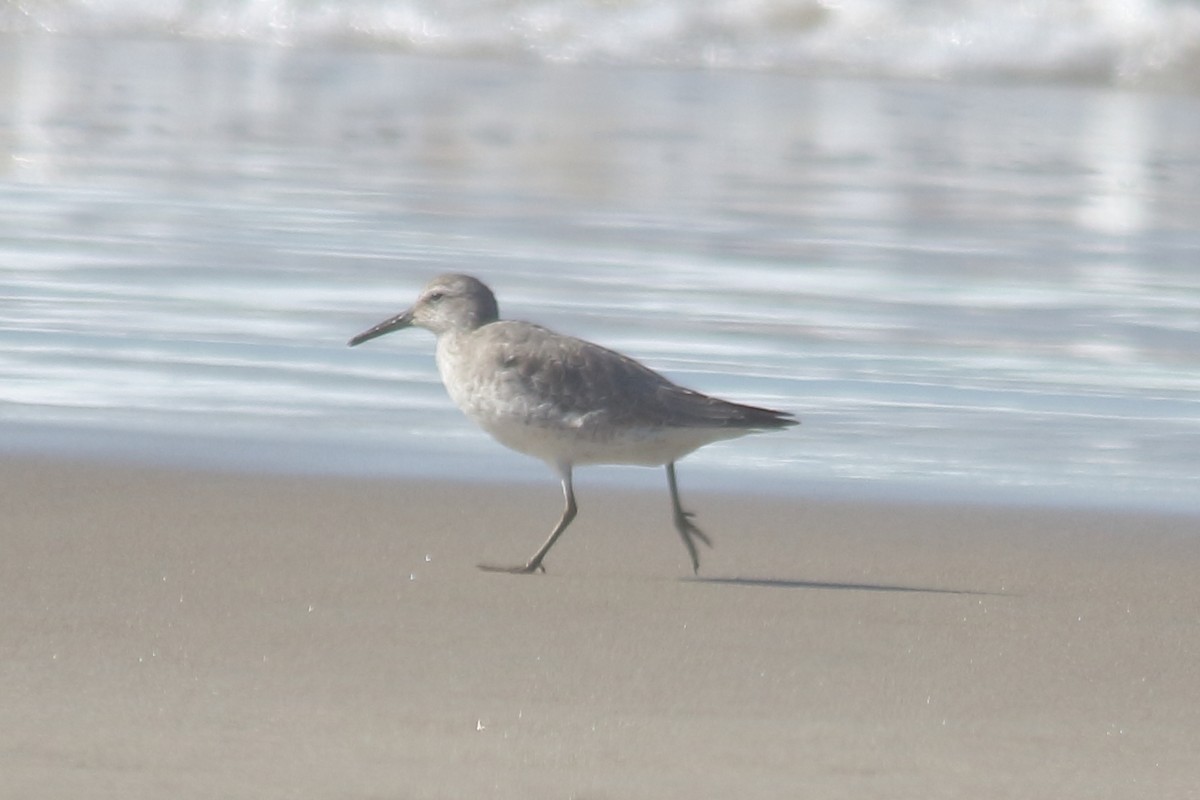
200, 635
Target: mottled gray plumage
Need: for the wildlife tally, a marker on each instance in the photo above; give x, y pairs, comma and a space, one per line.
576, 377
565, 400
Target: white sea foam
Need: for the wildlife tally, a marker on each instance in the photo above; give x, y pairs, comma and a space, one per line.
1116, 42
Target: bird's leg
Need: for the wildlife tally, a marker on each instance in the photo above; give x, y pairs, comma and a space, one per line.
535, 563
683, 522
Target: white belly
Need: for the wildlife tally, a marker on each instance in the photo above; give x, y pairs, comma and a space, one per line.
598, 444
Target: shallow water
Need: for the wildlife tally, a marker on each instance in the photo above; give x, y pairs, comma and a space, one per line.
958, 288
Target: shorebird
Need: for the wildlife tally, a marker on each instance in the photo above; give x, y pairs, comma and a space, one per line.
567, 401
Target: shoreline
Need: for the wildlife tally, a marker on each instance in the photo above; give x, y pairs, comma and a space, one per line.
196, 633
335, 460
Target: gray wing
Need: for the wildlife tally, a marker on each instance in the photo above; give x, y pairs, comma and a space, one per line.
576, 379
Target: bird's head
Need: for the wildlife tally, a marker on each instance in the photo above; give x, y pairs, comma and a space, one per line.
447, 303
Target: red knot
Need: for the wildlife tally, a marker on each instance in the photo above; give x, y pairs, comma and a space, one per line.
567, 401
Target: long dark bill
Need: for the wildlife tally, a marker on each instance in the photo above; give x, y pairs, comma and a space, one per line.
401, 320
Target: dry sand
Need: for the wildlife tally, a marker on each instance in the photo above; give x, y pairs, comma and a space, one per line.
190, 635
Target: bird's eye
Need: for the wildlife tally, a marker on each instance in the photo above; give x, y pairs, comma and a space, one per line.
434, 297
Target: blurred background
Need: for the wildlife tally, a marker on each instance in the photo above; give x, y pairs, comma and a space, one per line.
958, 239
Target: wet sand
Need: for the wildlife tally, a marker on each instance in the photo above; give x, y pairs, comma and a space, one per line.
196, 635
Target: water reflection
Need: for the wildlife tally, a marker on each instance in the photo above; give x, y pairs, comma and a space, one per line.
1117, 146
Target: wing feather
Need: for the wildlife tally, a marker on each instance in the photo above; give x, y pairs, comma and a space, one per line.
577, 380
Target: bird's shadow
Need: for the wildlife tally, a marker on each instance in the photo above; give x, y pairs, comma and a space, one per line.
783, 583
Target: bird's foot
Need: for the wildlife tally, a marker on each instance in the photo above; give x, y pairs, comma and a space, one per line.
521, 569
684, 524
689, 533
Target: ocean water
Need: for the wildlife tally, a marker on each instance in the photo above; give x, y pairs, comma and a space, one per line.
980, 287
1128, 43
